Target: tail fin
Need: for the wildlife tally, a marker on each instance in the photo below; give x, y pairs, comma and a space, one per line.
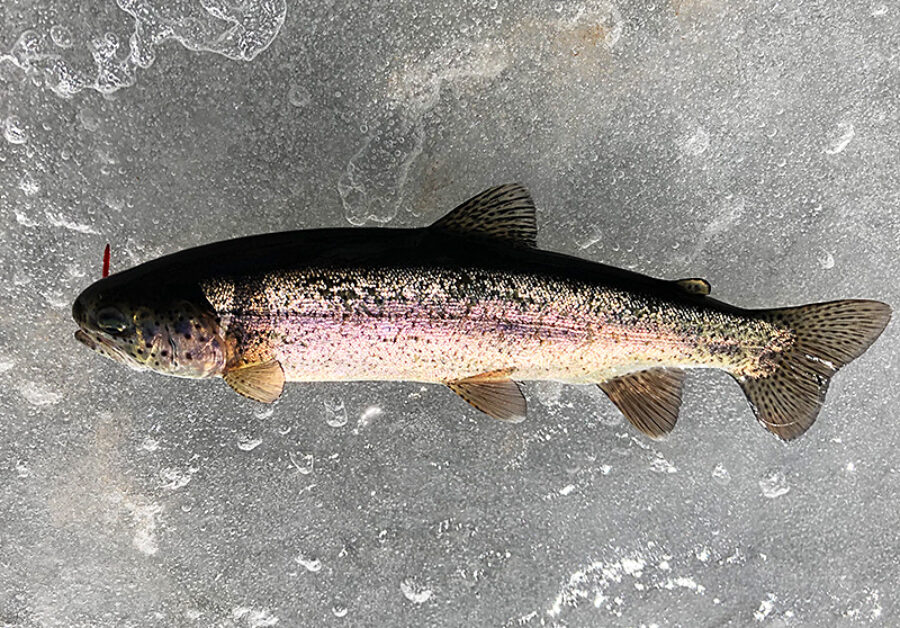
828, 336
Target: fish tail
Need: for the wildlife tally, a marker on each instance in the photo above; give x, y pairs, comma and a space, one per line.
826, 337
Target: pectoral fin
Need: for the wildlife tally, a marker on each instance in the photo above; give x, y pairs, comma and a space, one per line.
649, 399
262, 381
499, 398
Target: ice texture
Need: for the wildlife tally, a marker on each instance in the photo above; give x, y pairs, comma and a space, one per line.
750, 143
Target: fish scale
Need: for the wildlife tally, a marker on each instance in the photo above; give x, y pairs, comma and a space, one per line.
444, 325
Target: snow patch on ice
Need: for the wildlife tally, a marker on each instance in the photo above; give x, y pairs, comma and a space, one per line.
414, 592
603, 582
254, 617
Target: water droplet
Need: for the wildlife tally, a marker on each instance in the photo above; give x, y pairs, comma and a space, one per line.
660, 465
310, 564
150, 444
825, 259
174, 479
22, 469
838, 144
39, 394
370, 413
339, 610
248, 443
264, 413
28, 185
61, 36
13, 131
697, 143
415, 593
114, 201
335, 413
299, 96
721, 475
774, 484
304, 463
88, 119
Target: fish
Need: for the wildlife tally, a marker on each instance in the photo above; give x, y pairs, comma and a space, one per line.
471, 303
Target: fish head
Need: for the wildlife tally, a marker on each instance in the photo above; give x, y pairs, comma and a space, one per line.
148, 325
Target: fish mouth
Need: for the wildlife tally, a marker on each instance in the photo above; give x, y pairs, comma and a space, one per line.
82, 337
107, 349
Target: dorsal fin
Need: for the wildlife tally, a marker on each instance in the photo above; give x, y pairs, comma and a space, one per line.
505, 212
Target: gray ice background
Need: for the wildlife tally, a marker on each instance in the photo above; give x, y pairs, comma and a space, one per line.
751, 143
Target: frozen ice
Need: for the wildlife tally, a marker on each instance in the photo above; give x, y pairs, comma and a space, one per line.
753, 144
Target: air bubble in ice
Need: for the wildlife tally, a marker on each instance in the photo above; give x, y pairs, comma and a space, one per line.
304, 463
774, 484
721, 475
39, 393
369, 414
335, 413
845, 133
660, 465
22, 469
310, 564
88, 119
415, 593
174, 479
61, 36
265, 412
13, 131
299, 96
248, 443
825, 259
28, 185
149, 444
339, 610
696, 143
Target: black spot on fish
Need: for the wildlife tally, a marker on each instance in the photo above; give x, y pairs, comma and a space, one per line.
188, 356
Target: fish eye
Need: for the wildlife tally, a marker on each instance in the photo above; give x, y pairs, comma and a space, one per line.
111, 320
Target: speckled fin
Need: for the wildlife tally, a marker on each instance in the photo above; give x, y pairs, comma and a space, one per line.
695, 286
262, 381
649, 399
505, 212
499, 398
827, 336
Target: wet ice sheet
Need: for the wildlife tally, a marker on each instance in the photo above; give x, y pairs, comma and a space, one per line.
751, 145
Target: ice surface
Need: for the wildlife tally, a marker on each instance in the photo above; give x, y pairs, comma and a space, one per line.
754, 144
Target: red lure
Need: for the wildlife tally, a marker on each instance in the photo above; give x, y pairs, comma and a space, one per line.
106, 261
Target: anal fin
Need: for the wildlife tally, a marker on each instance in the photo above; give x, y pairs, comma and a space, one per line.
261, 381
499, 397
649, 399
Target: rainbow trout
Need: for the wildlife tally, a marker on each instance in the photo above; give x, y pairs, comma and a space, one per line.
468, 302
